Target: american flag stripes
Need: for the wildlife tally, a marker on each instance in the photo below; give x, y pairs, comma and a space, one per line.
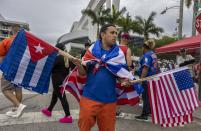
172, 98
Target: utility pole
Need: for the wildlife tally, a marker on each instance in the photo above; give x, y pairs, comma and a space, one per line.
181, 19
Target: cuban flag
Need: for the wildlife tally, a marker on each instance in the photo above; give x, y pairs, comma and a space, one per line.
29, 62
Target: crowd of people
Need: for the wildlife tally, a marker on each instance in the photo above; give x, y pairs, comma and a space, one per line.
98, 102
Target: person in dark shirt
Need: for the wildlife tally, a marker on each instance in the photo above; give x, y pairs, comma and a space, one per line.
59, 73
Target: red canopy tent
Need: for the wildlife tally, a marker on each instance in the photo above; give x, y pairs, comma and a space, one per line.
190, 43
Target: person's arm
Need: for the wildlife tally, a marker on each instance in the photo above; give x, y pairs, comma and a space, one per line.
71, 65
144, 72
189, 62
2, 50
80, 67
128, 58
145, 66
178, 60
1, 73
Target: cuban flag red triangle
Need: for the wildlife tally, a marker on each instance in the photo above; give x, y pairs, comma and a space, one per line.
38, 48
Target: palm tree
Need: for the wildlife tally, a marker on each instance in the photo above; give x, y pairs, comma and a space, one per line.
113, 17
98, 18
125, 23
147, 26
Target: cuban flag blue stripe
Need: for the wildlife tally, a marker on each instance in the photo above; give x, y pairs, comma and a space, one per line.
16, 58
29, 73
9, 57
44, 79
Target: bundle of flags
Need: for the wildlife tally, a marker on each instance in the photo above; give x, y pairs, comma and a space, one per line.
74, 83
115, 62
29, 62
173, 98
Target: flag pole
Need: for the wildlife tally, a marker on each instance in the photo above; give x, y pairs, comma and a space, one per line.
143, 79
65, 54
157, 75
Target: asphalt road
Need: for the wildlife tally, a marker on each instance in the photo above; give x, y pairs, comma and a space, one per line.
33, 120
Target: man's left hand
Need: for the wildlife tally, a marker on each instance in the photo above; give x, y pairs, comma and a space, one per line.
126, 82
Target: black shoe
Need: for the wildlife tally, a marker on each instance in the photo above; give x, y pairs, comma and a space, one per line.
142, 118
118, 114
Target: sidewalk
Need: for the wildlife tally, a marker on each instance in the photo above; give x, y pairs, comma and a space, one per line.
197, 114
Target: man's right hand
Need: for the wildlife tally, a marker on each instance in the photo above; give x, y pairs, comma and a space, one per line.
77, 61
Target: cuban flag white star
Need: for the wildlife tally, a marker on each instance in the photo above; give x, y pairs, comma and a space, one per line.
39, 49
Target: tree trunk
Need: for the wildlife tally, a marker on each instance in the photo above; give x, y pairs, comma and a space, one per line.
181, 8
97, 31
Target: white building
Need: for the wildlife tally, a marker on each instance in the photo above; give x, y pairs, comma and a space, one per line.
5, 27
83, 30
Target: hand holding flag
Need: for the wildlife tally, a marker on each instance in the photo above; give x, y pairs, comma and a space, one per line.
29, 62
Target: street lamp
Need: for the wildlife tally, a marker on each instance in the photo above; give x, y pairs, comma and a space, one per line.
167, 8
180, 16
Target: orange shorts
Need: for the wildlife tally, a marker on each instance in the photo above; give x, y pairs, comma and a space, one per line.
92, 111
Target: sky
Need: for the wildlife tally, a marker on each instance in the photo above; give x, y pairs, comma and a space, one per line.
49, 19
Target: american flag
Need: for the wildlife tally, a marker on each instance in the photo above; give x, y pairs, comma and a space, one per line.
172, 98
75, 84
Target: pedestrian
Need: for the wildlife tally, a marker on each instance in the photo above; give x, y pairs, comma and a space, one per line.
12, 92
185, 59
86, 46
148, 67
59, 72
124, 47
127, 52
98, 101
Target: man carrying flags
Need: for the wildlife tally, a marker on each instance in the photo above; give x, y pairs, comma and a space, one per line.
98, 101
11, 92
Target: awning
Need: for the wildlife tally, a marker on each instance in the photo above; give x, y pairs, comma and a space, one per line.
190, 43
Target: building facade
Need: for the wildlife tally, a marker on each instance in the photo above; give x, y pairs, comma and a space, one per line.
6, 27
83, 31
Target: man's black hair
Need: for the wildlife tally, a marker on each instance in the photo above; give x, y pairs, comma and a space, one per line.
104, 28
87, 44
61, 46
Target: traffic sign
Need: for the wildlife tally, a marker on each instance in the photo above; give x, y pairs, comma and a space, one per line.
198, 23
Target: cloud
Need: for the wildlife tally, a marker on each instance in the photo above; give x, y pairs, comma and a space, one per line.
49, 19
168, 20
